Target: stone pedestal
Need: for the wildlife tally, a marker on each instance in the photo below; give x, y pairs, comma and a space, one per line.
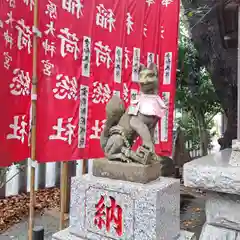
149, 211
132, 172
107, 209
221, 180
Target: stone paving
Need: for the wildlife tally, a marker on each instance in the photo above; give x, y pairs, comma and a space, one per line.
193, 216
19, 231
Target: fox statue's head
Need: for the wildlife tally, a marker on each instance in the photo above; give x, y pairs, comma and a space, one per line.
148, 79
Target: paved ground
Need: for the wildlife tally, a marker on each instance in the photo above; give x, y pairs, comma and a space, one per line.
19, 231
193, 215
192, 219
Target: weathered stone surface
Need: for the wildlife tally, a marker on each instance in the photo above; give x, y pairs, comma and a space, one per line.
132, 172
238, 236
185, 235
236, 145
150, 211
124, 125
234, 141
235, 159
235, 156
223, 210
216, 233
214, 173
65, 235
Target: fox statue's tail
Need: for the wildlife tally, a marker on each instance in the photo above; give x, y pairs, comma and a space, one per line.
115, 108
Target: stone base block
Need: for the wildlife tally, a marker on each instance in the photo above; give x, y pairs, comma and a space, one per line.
214, 173
223, 210
104, 209
66, 235
132, 172
216, 233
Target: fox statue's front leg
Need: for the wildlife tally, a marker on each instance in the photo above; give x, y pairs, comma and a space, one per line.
140, 124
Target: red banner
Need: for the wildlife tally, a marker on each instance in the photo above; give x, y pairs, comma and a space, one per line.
16, 20
59, 80
89, 51
169, 21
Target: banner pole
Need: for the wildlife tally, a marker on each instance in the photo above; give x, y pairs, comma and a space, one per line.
63, 190
84, 166
33, 122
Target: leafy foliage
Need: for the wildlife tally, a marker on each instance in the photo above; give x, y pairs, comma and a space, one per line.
195, 97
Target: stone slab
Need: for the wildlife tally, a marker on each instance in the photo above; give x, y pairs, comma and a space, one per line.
223, 210
210, 232
133, 172
150, 211
185, 235
236, 146
235, 156
234, 141
214, 173
238, 236
66, 235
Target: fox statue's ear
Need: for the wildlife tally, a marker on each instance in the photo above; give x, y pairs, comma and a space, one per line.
141, 67
154, 68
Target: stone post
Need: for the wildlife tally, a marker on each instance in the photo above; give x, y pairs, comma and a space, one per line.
219, 175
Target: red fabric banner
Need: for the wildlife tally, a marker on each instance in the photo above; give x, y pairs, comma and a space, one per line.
59, 80
91, 50
169, 21
16, 20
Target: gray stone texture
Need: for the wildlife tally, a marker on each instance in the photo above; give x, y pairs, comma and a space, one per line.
234, 141
238, 236
66, 235
210, 232
214, 173
235, 156
150, 211
223, 210
124, 125
133, 172
235, 159
185, 235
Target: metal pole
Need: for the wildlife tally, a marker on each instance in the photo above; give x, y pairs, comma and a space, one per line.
33, 127
238, 78
38, 233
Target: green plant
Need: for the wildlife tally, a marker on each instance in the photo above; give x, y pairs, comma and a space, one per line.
195, 95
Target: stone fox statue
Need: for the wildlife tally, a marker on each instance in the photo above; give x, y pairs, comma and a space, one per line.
123, 126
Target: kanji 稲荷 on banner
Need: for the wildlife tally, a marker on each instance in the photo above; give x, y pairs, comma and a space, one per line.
91, 50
